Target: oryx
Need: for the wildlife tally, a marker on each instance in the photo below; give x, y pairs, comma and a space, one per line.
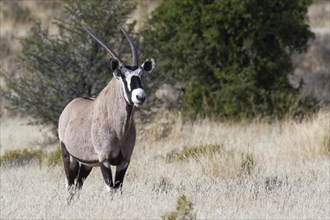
101, 131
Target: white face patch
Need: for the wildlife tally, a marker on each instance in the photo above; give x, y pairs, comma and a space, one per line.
128, 80
132, 87
124, 91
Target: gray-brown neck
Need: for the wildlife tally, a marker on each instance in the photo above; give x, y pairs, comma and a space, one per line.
118, 114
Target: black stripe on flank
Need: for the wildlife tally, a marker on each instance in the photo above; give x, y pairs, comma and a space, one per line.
86, 161
67, 153
88, 98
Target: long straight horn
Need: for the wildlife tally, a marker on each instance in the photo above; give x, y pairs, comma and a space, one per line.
98, 39
131, 43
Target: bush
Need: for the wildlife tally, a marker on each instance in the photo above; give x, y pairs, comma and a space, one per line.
22, 157
233, 56
193, 152
247, 164
26, 156
184, 210
59, 68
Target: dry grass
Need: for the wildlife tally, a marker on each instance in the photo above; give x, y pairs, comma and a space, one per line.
257, 170
318, 14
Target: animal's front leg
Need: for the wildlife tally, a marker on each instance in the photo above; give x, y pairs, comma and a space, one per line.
107, 175
120, 173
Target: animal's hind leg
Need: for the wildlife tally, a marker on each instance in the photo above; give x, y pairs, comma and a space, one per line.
84, 171
71, 166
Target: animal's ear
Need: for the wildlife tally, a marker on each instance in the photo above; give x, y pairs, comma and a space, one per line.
149, 66
114, 66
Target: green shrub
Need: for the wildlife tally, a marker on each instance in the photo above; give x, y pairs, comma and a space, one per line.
54, 158
193, 152
184, 210
26, 156
233, 56
22, 157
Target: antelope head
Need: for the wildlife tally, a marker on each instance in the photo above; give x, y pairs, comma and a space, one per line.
129, 75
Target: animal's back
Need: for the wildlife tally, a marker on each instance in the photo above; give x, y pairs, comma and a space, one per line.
75, 129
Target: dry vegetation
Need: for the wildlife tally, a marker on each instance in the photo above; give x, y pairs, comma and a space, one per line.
255, 170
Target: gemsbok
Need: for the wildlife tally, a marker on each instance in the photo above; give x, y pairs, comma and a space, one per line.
101, 131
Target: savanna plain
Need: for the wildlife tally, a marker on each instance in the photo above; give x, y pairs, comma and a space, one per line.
185, 170
256, 170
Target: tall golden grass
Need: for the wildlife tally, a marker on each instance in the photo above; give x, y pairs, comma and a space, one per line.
239, 170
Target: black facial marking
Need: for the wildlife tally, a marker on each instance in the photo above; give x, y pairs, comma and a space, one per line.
132, 68
126, 88
135, 82
130, 102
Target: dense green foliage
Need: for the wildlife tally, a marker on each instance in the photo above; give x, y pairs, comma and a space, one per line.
57, 68
233, 55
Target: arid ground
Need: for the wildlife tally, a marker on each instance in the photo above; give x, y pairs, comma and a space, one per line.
256, 170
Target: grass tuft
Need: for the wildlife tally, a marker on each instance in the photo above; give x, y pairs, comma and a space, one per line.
184, 210
22, 157
326, 143
54, 158
247, 164
193, 152
273, 183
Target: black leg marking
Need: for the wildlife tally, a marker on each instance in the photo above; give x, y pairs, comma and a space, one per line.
107, 175
120, 173
84, 171
71, 168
